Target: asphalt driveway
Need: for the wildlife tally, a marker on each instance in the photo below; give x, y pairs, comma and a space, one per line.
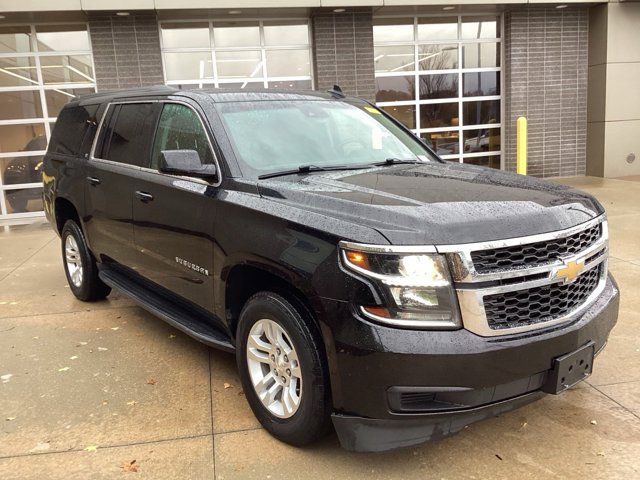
106, 390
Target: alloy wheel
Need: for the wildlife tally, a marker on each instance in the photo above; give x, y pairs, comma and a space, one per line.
274, 368
73, 260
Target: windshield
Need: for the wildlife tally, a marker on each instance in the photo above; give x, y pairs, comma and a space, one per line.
273, 136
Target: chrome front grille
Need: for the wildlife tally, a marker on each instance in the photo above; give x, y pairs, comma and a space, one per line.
539, 304
538, 253
522, 284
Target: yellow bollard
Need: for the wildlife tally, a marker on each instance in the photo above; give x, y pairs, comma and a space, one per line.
521, 146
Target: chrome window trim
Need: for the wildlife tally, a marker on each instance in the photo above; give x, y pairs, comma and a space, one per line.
93, 158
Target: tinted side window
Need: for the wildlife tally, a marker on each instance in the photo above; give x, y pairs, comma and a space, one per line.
71, 128
130, 135
180, 128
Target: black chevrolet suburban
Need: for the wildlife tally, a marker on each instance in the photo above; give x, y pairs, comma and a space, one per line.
360, 280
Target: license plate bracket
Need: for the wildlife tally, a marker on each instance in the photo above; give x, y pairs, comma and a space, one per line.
570, 369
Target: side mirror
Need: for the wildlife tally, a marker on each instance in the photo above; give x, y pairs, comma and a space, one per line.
185, 162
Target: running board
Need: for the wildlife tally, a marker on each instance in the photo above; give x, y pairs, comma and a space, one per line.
192, 323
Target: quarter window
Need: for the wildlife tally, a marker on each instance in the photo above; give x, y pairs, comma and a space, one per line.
180, 128
440, 76
237, 54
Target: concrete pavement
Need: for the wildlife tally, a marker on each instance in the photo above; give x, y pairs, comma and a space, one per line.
87, 389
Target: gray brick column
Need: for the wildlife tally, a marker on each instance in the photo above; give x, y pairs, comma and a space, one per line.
126, 50
343, 51
545, 77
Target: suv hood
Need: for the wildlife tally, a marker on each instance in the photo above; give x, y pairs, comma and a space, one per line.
436, 204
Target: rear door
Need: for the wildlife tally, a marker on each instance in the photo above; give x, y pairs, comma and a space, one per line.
173, 216
121, 148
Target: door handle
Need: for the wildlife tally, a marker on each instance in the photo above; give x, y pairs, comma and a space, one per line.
93, 181
144, 196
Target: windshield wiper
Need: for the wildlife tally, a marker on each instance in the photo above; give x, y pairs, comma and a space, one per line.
311, 168
397, 161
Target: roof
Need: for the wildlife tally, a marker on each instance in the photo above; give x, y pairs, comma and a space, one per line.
217, 95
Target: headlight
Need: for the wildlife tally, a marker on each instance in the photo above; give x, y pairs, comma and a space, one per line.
417, 286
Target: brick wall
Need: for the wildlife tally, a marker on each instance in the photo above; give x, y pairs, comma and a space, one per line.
546, 81
126, 50
343, 51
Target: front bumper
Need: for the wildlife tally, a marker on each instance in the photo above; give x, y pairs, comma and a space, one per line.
467, 377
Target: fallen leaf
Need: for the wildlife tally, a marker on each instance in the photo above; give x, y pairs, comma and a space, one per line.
9, 419
5, 378
227, 385
73, 358
593, 422
132, 466
91, 448
63, 369
102, 349
151, 381
132, 402
104, 402
601, 454
79, 344
172, 336
115, 328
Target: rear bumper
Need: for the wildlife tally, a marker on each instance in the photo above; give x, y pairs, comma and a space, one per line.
456, 377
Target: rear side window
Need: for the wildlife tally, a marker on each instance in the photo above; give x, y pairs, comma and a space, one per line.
180, 128
128, 135
73, 128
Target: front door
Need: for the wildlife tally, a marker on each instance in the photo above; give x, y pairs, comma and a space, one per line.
122, 146
173, 216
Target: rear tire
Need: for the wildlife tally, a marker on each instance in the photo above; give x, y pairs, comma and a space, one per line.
299, 365
80, 266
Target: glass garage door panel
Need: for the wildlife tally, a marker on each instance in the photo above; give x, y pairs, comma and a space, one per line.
42, 67
440, 75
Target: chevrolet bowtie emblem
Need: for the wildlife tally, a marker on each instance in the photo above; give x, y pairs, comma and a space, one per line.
570, 271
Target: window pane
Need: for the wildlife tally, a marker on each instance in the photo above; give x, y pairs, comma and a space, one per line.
188, 66
288, 63
294, 84
241, 63
392, 30
70, 129
389, 89
131, 134
438, 86
18, 72
480, 55
492, 161
185, 35
15, 39
437, 28
439, 115
484, 140
58, 98
19, 138
67, 69
62, 38
236, 34
444, 143
18, 105
21, 170
180, 128
478, 84
243, 85
480, 27
405, 114
437, 57
486, 111
394, 58
24, 200
286, 32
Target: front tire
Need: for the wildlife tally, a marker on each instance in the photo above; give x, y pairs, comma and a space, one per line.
80, 266
283, 370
